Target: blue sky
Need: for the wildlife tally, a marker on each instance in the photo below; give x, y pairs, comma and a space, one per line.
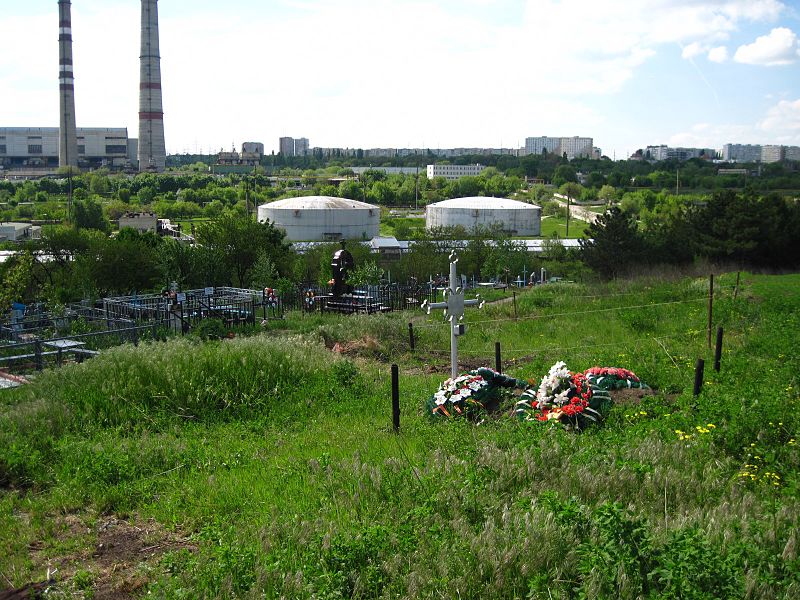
422, 73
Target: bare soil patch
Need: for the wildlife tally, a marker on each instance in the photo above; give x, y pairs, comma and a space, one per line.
113, 551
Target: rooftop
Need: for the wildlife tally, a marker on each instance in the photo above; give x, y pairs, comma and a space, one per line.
483, 202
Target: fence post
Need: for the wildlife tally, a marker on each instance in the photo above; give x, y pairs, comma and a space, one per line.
395, 399
515, 305
37, 351
710, 306
411, 335
698, 376
718, 351
135, 336
498, 365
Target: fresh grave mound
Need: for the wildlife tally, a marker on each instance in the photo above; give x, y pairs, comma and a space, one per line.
572, 399
472, 394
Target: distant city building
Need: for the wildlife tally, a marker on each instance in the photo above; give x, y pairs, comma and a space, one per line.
423, 153
38, 147
454, 171
293, 146
286, 146
301, 147
771, 153
741, 153
663, 152
537, 145
19, 232
141, 221
577, 147
574, 147
250, 157
253, 147
792, 153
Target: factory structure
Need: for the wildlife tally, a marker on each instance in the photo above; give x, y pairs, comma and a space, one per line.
515, 218
152, 148
68, 137
40, 147
322, 218
91, 147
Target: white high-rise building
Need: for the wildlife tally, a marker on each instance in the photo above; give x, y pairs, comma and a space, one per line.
573, 146
535, 145
577, 147
770, 154
741, 152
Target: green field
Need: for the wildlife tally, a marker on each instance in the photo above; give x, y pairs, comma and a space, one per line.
558, 225
265, 466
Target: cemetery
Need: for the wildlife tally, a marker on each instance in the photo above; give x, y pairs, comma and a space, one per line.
331, 436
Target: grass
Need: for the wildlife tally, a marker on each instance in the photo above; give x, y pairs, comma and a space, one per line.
558, 225
274, 458
401, 227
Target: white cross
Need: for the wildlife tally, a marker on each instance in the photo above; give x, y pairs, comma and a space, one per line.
454, 312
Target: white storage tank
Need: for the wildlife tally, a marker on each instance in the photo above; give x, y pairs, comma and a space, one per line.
516, 218
322, 218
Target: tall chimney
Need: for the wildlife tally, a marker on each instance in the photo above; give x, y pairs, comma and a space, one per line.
152, 149
67, 134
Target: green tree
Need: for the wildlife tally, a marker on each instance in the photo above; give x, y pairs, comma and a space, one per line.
614, 244
564, 174
16, 281
88, 214
607, 194
240, 240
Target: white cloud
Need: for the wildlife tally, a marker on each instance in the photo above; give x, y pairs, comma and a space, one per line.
693, 49
780, 125
779, 47
783, 122
718, 54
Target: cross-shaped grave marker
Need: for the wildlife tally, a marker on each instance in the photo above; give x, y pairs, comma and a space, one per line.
453, 306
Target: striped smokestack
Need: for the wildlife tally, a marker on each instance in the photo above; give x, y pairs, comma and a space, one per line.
152, 149
67, 134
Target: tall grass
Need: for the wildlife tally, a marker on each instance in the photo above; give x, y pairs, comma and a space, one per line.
278, 455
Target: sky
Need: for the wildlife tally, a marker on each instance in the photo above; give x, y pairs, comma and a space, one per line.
420, 73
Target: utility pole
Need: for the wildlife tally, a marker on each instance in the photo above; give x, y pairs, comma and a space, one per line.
568, 212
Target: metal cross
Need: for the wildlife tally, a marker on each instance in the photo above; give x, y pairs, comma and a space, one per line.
453, 306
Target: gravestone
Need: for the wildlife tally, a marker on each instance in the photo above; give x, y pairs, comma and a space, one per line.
341, 266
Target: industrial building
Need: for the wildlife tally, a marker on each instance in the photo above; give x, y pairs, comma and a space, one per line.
515, 218
19, 232
453, 172
39, 147
322, 218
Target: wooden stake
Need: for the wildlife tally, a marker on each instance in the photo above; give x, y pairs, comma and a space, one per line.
710, 306
411, 335
395, 399
718, 351
498, 365
698, 376
515, 305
